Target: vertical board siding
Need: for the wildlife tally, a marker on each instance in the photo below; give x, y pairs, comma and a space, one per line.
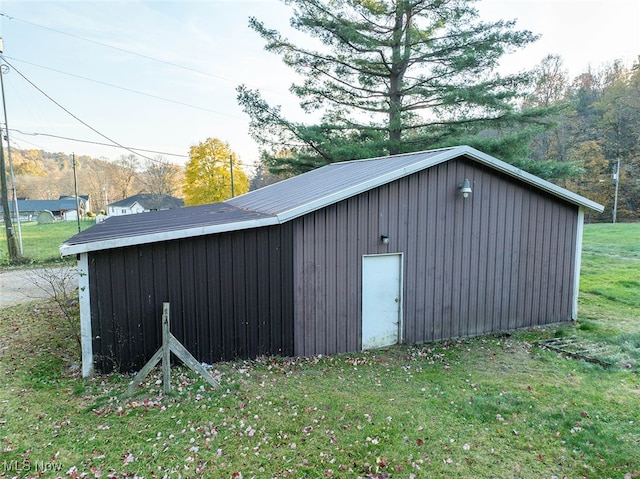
120, 340
353, 280
342, 296
331, 334
501, 259
415, 271
228, 293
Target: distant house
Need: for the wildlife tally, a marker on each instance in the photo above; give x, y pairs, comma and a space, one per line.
84, 198
64, 208
355, 255
142, 203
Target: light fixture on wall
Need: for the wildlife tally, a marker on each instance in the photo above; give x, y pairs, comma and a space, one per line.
384, 239
465, 188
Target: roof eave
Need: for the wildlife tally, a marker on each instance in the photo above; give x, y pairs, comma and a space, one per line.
445, 155
532, 179
72, 249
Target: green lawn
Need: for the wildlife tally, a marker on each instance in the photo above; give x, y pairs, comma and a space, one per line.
501, 406
40, 242
610, 276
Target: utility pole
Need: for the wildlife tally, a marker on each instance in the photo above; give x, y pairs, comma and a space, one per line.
75, 189
616, 177
12, 242
13, 245
106, 199
233, 194
13, 179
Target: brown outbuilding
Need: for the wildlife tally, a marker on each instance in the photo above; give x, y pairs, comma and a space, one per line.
354, 255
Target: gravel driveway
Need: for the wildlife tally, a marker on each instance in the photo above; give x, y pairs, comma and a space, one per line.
23, 285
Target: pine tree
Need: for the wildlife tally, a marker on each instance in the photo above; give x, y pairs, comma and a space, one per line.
393, 76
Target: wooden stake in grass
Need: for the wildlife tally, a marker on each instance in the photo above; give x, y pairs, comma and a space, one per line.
169, 345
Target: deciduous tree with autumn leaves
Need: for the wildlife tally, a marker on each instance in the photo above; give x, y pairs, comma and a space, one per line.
207, 177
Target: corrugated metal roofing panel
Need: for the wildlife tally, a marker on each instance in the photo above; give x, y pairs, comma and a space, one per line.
329, 182
165, 224
318, 188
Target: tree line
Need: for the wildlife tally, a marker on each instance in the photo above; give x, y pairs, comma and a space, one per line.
44, 175
596, 130
206, 178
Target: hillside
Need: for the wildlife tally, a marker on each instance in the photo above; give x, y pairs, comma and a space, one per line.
43, 175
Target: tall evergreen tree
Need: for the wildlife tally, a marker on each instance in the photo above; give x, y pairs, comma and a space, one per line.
392, 76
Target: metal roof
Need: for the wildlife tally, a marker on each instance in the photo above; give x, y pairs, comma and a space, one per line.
42, 205
152, 226
294, 197
318, 188
330, 183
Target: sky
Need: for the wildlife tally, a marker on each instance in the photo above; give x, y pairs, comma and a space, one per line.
161, 75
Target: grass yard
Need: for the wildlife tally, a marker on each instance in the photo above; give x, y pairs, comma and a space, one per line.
40, 242
498, 406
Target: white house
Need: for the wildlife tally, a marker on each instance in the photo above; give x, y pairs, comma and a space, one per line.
142, 203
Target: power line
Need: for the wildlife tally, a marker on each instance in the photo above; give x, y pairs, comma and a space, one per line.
71, 114
124, 50
183, 67
125, 88
147, 57
240, 163
51, 135
19, 145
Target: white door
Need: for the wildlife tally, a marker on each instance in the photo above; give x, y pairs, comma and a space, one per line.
381, 300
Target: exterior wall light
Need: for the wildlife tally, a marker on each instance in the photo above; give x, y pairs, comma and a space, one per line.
465, 188
384, 239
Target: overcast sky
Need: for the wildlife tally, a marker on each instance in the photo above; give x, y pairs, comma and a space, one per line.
161, 75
